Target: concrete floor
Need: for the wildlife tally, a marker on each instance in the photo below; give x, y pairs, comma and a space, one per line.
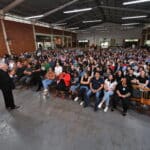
58, 124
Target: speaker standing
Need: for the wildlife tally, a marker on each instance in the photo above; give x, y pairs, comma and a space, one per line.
6, 86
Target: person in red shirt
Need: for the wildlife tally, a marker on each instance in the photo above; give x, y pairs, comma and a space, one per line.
64, 81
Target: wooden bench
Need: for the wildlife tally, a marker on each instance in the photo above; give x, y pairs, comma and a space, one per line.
144, 99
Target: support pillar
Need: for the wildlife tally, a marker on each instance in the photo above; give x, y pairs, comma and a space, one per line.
34, 35
5, 37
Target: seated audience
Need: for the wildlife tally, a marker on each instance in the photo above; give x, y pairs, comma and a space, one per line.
84, 87
20, 70
58, 69
26, 79
119, 76
109, 88
142, 80
75, 83
96, 87
86, 70
63, 81
131, 77
48, 80
123, 93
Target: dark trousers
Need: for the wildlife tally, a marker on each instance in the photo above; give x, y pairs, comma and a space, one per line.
82, 92
8, 97
61, 86
114, 101
125, 104
40, 85
36, 77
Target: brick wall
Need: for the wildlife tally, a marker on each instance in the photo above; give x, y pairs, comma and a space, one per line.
58, 32
43, 30
20, 36
3, 49
74, 40
67, 33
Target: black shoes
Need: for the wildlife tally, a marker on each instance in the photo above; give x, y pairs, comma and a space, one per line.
12, 108
112, 109
16, 107
85, 105
95, 109
37, 90
124, 113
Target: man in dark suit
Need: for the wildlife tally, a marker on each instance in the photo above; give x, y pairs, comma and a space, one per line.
6, 85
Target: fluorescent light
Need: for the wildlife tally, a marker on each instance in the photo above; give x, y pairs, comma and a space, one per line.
130, 24
90, 21
34, 17
135, 2
74, 28
133, 17
77, 10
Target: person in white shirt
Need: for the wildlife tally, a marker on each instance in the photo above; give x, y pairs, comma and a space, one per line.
58, 69
109, 88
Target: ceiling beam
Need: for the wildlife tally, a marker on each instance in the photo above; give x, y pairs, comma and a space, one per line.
86, 26
125, 9
104, 7
75, 15
58, 8
11, 6
80, 21
101, 10
69, 18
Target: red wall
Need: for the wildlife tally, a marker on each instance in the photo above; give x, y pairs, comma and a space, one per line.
2, 42
21, 37
74, 39
43, 30
58, 32
67, 33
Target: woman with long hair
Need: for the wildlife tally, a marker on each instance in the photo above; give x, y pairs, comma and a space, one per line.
109, 88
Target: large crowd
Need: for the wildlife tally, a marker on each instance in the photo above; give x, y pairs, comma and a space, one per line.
104, 76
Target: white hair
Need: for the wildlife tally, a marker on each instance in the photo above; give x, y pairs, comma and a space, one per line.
2, 64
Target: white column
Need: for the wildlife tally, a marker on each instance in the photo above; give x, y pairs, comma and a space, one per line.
5, 37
